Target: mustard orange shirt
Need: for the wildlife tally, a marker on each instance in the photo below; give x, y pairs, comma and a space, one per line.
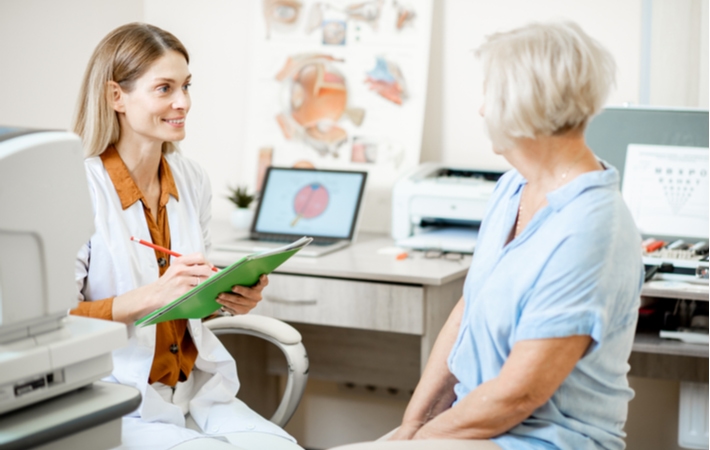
175, 352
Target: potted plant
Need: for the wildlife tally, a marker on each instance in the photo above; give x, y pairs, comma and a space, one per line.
242, 199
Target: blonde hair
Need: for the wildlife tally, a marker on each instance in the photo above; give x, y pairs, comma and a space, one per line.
543, 79
123, 56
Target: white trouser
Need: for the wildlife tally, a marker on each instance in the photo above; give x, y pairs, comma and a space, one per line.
240, 441
180, 396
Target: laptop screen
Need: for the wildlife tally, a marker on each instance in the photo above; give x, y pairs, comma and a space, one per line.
323, 203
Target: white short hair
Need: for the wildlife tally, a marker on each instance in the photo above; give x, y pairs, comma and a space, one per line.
542, 79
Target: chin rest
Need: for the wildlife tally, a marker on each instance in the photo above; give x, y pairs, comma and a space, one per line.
283, 336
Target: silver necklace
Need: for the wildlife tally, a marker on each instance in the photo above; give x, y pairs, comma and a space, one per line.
518, 225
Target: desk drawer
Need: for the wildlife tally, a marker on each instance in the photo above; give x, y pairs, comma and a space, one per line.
344, 303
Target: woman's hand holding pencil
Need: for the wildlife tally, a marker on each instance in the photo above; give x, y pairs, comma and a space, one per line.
163, 249
188, 271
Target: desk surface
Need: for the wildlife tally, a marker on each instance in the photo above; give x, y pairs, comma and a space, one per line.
651, 342
675, 289
362, 260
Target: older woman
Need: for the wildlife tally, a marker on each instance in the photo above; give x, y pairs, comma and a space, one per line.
534, 355
132, 108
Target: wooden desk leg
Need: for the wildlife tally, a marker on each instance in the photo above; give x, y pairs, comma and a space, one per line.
438, 303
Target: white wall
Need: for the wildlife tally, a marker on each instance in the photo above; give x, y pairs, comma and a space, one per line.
463, 24
679, 40
44, 48
45, 44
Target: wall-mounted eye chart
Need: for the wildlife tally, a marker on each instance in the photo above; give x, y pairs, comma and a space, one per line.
666, 189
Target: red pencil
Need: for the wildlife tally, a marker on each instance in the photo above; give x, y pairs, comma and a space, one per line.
162, 249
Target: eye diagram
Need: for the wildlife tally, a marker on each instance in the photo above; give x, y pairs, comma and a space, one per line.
376, 150
281, 14
387, 80
310, 202
405, 14
315, 98
368, 12
334, 32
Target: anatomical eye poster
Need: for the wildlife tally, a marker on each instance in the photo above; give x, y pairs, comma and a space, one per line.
337, 84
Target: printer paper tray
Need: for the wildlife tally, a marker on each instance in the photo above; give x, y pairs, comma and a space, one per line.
451, 239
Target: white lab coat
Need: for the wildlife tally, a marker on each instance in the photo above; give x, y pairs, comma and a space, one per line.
110, 265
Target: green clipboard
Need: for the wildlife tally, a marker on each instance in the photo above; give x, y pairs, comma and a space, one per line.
200, 301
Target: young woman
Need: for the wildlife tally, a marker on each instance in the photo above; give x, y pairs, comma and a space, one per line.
132, 108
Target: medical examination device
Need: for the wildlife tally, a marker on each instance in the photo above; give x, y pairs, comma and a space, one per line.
45, 218
662, 158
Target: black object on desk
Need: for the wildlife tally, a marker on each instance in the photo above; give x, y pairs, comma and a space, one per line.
651, 270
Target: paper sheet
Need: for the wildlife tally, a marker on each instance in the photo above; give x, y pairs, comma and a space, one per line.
451, 239
666, 189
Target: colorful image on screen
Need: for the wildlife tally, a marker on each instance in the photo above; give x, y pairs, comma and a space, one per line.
310, 202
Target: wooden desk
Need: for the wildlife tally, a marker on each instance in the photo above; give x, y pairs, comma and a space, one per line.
653, 357
365, 317
368, 318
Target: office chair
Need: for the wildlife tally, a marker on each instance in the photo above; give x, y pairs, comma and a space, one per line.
286, 339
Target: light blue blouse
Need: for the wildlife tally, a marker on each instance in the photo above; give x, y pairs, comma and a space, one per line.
576, 269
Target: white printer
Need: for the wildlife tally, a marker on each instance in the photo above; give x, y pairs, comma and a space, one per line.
444, 200
45, 218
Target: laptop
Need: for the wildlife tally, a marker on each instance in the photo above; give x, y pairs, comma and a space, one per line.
322, 204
